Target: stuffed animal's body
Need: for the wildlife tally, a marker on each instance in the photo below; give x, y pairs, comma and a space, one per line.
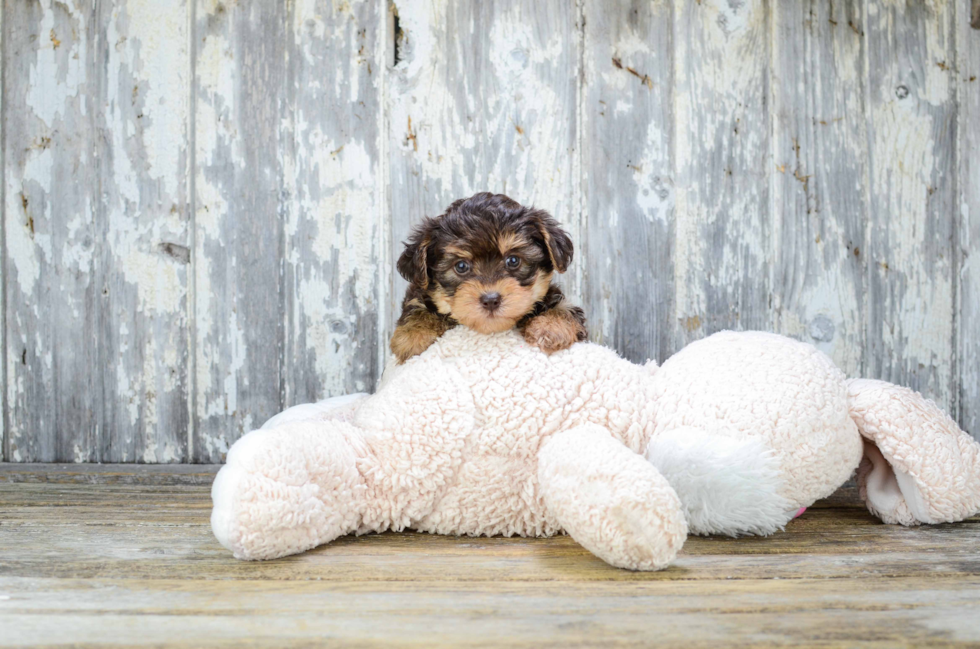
485, 435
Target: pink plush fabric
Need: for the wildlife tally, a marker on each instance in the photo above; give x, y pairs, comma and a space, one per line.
920, 467
485, 435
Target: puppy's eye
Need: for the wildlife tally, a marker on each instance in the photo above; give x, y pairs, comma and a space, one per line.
462, 267
512, 262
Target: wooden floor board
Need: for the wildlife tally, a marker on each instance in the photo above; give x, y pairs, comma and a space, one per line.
131, 561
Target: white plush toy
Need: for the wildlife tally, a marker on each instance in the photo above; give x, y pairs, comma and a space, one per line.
485, 435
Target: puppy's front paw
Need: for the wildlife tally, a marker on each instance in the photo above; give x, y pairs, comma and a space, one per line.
407, 342
554, 331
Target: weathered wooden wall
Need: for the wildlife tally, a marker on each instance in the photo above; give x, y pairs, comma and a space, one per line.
202, 199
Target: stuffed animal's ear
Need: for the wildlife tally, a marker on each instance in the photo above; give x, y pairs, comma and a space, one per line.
919, 466
412, 264
556, 241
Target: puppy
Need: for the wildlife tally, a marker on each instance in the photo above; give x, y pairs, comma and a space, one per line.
487, 263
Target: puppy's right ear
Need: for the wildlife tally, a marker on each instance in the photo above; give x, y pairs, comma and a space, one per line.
412, 264
556, 241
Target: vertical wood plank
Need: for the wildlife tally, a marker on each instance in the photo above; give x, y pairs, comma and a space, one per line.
145, 252
819, 176
332, 170
52, 224
95, 211
4, 437
628, 169
482, 97
912, 131
721, 117
967, 73
238, 248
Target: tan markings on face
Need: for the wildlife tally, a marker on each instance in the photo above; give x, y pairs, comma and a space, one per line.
441, 300
455, 251
508, 241
516, 301
541, 284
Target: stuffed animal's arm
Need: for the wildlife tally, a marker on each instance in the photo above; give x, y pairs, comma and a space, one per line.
610, 500
288, 489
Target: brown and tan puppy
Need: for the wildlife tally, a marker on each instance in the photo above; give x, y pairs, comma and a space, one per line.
487, 263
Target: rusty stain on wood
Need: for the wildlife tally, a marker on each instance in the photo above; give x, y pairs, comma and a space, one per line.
644, 79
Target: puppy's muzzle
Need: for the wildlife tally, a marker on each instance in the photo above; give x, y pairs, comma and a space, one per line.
490, 301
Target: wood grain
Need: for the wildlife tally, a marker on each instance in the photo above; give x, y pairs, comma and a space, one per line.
723, 254
628, 165
912, 134
967, 76
483, 97
136, 560
239, 92
96, 231
819, 177
333, 187
731, 614
134, 474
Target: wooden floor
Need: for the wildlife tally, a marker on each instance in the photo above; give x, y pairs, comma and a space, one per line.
93, 556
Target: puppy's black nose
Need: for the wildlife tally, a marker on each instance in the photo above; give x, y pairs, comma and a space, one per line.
490, 301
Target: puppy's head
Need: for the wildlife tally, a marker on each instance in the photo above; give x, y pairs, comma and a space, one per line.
486, 261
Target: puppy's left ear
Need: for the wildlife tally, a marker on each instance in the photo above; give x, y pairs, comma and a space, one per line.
556, 241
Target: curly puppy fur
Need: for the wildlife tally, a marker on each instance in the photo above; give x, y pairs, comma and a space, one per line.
486, 263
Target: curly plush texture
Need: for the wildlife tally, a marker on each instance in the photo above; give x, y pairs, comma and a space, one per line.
487, 435
920, 468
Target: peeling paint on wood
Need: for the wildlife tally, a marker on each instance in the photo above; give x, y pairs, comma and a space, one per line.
723, 254
203, 199
334, 218
240, 78
967, 210
95, 123
4, 410
819, 177
629, 179
912, 134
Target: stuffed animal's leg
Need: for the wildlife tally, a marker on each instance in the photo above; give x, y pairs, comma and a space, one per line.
288, 489
918, 466
611, 500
